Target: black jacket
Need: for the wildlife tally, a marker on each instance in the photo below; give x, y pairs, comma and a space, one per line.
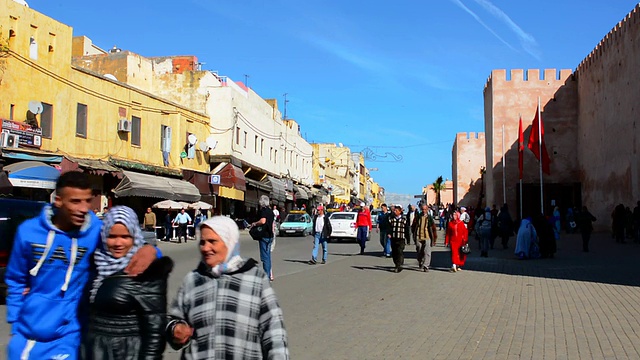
129, 315
326, 230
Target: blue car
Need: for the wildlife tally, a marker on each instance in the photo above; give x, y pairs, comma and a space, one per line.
297, 222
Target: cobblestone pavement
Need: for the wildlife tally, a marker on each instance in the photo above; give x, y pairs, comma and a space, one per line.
575, 306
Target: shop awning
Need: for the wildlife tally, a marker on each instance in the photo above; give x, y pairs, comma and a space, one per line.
232, 176
278, 191
137, 184
32, 174
42, 157
91, 166
302, 192
266, 186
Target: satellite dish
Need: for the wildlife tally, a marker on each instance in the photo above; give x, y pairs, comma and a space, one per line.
192, 139
212, 142
22, 2
203, 146
35, 107
110, 76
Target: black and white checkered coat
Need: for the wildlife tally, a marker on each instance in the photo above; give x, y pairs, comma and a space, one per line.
235, 316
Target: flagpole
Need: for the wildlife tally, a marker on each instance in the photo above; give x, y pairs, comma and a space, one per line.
520, 116
541, 157
504, 171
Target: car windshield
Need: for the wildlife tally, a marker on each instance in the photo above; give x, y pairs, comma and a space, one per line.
343, 216
295, 218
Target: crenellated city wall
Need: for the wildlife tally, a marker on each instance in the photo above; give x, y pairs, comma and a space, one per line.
607, 129
511, 95
469, 157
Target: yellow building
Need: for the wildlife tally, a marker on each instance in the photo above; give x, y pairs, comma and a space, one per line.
88, 120
331, 170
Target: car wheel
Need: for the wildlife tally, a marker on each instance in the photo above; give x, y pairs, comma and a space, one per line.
304, 233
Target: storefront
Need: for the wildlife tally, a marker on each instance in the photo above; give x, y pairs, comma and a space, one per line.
31, 180
229, 184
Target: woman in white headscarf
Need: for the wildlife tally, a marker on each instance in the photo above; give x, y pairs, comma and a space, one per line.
226, 308
128, 314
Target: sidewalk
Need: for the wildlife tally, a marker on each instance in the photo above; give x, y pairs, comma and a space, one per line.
575, 306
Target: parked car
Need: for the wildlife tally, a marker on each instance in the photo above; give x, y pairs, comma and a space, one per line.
297, 222
343, 225
12, 213
374, 217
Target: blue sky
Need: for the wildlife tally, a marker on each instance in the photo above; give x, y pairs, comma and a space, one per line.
398, 78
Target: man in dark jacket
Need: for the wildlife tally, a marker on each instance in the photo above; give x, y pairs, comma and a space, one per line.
383, 227
321, 232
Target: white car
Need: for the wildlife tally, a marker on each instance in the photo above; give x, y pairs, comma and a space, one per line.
343, 225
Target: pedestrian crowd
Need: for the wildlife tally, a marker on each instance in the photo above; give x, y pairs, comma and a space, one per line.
225, 308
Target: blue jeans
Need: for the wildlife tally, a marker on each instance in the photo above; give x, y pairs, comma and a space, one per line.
385, 242
316, 242
265, 255
361, 236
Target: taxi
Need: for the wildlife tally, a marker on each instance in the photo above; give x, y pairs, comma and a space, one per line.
297, 222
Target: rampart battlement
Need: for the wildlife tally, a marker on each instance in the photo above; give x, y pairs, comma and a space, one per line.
530, 76
612, 40
471, 136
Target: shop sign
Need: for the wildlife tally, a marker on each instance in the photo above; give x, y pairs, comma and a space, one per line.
28, 136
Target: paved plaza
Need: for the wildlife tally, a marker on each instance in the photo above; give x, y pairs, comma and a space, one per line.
575, 306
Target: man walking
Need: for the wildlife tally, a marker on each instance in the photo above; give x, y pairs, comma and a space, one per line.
383, 228
363, 222
464, 216
411, 216
149, 220
182, 219
321, 232
424, 227
397, 236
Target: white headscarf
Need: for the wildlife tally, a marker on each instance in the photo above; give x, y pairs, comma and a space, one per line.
228, 232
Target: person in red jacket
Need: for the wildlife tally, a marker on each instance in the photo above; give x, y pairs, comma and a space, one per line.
456, 236
363, 222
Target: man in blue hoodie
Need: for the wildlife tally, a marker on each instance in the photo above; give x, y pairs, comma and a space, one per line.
49, 269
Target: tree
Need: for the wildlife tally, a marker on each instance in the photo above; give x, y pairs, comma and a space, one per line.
437, 187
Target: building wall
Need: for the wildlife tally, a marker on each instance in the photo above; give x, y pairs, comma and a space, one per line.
446, 195
468, 159
331, 167
609, 101
53, 80
507, 97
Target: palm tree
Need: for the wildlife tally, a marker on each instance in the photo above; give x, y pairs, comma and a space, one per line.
438, 186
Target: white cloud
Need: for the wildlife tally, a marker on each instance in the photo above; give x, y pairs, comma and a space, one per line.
527, 40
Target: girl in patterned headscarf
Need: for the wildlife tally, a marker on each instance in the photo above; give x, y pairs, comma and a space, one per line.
128, 314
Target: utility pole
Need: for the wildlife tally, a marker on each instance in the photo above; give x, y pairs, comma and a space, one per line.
285, 105
246, 80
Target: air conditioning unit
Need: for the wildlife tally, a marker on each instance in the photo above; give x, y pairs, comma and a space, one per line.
124, 125
8, 140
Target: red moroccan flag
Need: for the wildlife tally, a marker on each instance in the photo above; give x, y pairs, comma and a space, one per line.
520, 149
535, 140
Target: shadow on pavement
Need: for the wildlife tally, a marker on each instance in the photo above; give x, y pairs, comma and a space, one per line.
607, 262
375, 267
306, 262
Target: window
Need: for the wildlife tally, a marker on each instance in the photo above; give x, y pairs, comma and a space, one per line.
237, 135
255, 144
271, 153
81, 120
275, 156
135, 130
13, 107
165, 138
261, 147
46, 120
245, 140
33, 48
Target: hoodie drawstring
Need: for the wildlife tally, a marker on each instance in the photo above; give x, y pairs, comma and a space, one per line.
27, 349
47, 247
72, 262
